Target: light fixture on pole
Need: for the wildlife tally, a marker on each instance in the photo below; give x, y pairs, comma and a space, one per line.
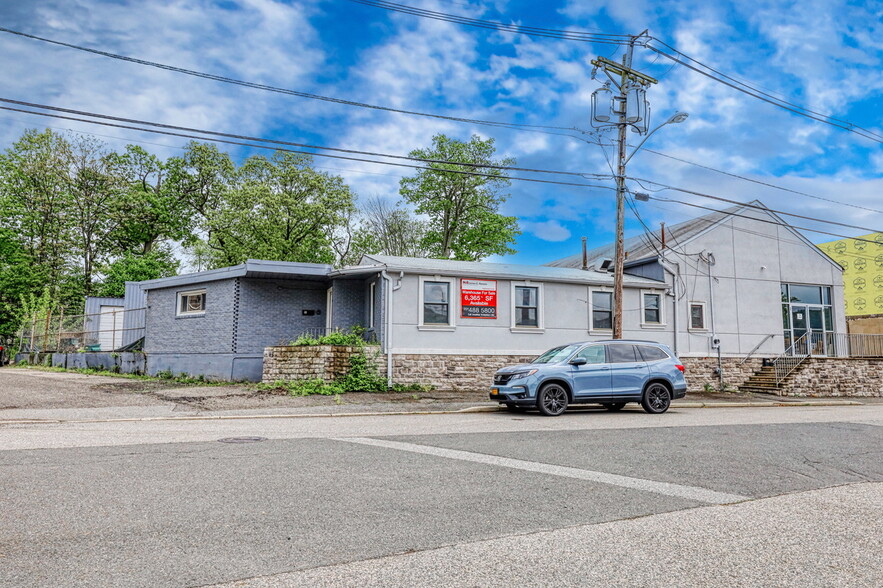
628, 108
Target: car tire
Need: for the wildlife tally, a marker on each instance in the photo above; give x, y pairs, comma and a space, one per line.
552, 400
614, 406
515, 407
656, 398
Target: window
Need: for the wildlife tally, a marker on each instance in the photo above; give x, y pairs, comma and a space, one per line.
697, 315
191, 303
436, 302
592, 354
652, 308
651, 353
602, 310
622, 353
526, 306
527, 312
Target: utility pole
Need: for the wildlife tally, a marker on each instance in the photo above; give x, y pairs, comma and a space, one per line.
627, 108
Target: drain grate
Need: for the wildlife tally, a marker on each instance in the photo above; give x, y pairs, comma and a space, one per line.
241, 439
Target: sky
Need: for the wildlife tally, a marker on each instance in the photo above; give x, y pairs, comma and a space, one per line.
820, 55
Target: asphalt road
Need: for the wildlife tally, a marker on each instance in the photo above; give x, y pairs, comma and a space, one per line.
730, 496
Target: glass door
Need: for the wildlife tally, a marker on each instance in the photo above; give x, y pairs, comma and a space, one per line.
799, 322
816, 339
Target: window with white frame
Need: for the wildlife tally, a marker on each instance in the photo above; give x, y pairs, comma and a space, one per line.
697, 315
436, 302
191, 303
602, 310
527, 312
651, 303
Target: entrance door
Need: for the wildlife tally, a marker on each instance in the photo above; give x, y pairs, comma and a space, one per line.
799, 320
817, 332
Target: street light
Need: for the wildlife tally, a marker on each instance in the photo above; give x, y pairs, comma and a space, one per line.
674, 119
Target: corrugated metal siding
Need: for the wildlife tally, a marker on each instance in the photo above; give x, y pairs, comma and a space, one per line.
92, 310
133, 322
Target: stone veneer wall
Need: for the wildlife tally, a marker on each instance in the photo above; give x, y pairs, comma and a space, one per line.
837, 377
449, 372
701, 371
302, 362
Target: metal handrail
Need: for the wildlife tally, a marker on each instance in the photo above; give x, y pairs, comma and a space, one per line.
786, 363
756, 347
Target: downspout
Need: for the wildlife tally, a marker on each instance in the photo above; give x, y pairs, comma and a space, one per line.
387, 340
709, 259
674, 289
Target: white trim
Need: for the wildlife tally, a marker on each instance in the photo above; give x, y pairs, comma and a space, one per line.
453, 306
180, 295
329, 309
591, 306
372, 294
704, 327
540, 306
660, 296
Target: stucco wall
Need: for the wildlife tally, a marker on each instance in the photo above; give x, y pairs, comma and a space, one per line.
565, 312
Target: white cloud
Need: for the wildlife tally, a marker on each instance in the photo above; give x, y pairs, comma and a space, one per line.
550, 230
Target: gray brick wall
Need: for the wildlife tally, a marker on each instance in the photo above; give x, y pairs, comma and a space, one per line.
350, 307
270, 312
208, 333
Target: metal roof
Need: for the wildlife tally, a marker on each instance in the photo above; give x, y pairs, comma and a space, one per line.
483, 269
642, 247
252, 268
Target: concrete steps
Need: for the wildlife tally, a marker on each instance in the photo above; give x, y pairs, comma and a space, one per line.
764, 381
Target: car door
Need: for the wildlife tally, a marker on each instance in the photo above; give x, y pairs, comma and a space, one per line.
628, 370
593, 377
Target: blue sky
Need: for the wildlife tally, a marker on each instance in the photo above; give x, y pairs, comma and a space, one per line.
823, 55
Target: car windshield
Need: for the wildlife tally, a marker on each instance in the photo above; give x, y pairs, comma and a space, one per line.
556, 354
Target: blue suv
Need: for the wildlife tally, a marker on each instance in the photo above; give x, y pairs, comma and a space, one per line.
611, 373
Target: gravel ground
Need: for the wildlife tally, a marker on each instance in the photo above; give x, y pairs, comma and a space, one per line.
31, 388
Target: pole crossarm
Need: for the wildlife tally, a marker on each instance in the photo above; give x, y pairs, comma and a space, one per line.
624, 71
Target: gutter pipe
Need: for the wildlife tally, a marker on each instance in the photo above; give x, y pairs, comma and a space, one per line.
387, 339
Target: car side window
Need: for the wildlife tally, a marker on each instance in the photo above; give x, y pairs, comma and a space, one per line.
622, 353
592, 354
651, 353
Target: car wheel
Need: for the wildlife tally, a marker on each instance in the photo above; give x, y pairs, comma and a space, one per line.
657, 398
552, 400
515, 407
615, 406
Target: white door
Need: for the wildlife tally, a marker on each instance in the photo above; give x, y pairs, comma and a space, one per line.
110, 327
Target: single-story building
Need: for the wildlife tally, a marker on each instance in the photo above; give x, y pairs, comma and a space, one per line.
726, 286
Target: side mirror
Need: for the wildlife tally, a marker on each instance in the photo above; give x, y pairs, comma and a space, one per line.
578, 361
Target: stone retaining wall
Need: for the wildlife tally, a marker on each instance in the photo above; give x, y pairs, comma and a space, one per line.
303, 362
857, 377
702, 371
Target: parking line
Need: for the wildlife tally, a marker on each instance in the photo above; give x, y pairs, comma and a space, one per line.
667, 488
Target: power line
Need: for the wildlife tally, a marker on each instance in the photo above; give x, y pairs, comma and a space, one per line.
268, 88
762, 220
573, 35
674, 55
755, 206
759, 182
726, 80
260, 146
288, 143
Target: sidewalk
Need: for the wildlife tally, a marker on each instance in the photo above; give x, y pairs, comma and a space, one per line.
225, 402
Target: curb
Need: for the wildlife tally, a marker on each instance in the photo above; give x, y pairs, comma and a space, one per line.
471, 409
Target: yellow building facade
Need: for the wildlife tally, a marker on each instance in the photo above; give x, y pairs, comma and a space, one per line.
862, 261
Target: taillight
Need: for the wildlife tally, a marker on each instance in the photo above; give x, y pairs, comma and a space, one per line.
682, 368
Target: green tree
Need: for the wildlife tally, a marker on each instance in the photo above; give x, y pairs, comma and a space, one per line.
159, 262
388, 229
278, 208
462, 208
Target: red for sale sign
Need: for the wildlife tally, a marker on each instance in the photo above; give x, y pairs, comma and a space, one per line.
478, 298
